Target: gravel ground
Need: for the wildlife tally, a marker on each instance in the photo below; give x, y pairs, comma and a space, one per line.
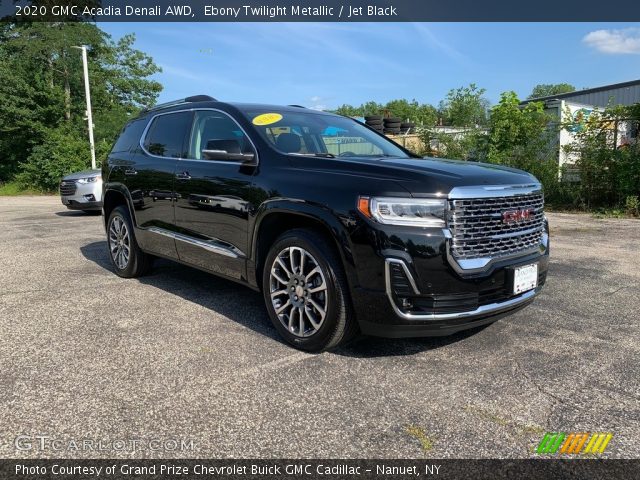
183, 358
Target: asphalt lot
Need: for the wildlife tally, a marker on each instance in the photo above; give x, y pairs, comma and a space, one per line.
183, 355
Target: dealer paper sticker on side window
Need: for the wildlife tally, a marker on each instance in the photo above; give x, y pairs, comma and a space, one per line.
267, 119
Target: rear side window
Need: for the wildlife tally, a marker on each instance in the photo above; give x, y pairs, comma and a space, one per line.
130, 136
167, 135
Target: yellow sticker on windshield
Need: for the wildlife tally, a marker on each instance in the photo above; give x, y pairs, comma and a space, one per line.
267, 119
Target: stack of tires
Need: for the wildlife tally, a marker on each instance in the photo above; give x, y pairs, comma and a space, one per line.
407, 127
375, 122
392, 126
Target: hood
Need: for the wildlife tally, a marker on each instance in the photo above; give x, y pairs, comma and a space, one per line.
82, 174
429, 176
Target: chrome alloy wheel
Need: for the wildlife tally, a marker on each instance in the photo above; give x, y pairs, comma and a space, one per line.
119, 242
298, 291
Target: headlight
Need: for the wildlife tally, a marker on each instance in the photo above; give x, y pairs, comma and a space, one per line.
416, 212
89, 179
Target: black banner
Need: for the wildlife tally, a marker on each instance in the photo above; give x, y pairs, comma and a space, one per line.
319, 10
334, 469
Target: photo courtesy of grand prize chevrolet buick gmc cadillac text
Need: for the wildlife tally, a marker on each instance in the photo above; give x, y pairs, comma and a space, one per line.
342, 230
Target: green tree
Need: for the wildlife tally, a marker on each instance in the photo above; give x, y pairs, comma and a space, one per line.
524, 137
349, 111
608, 163
421, 114
42, 92
548, 89
465, 107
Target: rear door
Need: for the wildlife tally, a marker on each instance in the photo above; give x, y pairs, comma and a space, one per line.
151, 179
213, 197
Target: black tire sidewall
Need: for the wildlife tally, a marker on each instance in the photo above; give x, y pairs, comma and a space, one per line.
131, 268
335, 298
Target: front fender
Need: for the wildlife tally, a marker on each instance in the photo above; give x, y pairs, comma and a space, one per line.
335, 223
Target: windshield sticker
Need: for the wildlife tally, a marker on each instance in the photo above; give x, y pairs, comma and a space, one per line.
267, 119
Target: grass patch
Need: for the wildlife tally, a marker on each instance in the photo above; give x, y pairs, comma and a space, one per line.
13, 189
419, 434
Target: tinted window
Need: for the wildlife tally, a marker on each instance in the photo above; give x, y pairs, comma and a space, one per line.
216, 131
307, 133
129, 136
167, 134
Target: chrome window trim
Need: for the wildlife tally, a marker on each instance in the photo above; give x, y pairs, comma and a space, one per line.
211, 247
492, 308
193, 110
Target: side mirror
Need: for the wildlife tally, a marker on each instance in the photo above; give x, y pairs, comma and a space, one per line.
247, 159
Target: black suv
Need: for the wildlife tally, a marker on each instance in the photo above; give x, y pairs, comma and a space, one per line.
340, 228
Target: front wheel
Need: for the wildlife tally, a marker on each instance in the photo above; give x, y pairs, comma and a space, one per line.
306, 293
126, 256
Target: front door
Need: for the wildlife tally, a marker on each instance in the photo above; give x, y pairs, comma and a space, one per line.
214, 197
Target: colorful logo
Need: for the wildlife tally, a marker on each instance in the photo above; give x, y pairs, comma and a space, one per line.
574, 443
517, 216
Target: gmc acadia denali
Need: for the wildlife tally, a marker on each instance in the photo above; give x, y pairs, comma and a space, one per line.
340, 228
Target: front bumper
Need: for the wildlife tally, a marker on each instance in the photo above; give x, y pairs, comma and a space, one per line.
410, 286
85, 196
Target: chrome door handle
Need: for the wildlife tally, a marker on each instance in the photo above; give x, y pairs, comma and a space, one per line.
183, 176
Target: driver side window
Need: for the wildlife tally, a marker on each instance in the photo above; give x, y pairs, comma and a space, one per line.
213, 130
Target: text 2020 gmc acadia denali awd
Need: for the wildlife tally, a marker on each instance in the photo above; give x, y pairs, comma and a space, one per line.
341, 229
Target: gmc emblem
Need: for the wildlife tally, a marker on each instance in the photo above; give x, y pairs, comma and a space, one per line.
517, 216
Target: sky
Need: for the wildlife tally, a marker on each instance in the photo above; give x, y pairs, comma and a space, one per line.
325, 65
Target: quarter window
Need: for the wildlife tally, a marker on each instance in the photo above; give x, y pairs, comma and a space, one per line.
129, 137
167, 135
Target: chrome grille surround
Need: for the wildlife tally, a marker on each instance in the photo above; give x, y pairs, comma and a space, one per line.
68, 187
476, 231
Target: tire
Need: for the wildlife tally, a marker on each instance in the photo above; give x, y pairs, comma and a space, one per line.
120, 237
392, 120
392, 131
373, 118
373, 123
281, 273
391, 124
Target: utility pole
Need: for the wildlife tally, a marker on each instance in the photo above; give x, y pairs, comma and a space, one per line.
87, 95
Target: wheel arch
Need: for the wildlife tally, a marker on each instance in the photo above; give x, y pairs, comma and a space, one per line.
115, 195
280, 217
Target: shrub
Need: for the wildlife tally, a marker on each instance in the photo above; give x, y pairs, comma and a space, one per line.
61, 152
632, 205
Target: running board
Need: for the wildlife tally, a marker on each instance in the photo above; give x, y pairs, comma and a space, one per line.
209, 245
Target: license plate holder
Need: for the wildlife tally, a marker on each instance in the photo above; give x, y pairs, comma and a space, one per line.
525, 278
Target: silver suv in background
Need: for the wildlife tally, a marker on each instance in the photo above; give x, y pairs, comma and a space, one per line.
82, 191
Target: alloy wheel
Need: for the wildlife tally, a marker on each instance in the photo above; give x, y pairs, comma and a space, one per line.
119, 242
298, 290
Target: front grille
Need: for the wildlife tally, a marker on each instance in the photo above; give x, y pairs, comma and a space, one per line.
478, 230
67, 187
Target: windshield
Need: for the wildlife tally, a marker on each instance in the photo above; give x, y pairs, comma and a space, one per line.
315, 134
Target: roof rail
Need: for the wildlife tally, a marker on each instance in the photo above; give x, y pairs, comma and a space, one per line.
194, 98
299, 106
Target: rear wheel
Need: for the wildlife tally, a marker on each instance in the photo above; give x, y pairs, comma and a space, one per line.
306, 292
126, 256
